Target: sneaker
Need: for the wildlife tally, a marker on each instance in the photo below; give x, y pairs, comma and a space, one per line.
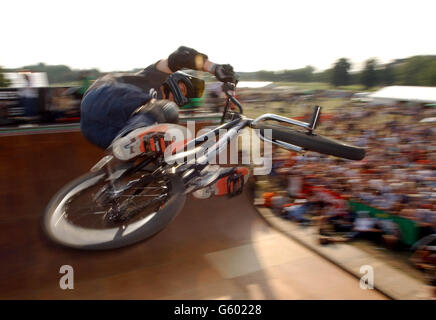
154, 143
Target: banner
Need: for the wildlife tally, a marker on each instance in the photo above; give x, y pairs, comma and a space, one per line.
408, 228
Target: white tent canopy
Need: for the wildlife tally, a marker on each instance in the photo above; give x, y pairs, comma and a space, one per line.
394, 94
253, 84
37, 79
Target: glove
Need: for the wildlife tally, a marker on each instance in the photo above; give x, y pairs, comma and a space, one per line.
185, 57
225, 73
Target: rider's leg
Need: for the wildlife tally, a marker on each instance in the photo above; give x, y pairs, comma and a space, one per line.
155, 111
106, 109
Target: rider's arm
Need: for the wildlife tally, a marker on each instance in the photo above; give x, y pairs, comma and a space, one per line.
189, 58
208, 66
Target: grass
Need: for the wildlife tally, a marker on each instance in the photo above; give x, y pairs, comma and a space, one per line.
67, 84
323, 86
305, 85
287, 109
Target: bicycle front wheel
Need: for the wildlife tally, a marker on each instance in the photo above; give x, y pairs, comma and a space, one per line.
313, 142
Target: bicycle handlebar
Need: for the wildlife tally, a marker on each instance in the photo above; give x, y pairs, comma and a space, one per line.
291, 139
229, 87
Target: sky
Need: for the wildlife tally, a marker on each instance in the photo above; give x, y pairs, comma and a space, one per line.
251, 35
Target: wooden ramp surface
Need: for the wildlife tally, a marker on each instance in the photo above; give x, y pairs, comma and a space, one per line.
217, 248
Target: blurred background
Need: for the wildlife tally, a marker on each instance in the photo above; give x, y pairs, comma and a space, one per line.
371, 67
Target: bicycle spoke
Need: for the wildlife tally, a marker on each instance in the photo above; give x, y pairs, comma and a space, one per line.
135, 202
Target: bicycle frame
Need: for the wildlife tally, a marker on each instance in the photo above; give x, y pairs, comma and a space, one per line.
150, 189
191, 171
188, 166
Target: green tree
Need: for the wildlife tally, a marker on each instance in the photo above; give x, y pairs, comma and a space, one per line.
369, 75
417, 71
264, 75
340, 76
306, 74
388, 75
3, 81
323, 76
428, 77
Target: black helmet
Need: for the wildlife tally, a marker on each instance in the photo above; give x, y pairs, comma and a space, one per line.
194, 86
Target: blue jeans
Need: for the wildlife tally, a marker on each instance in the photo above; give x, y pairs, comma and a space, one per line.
105, 112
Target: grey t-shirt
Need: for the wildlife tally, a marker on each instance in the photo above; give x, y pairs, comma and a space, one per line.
149, 80
108, 104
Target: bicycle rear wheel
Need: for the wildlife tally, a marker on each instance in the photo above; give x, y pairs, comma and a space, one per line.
74, 219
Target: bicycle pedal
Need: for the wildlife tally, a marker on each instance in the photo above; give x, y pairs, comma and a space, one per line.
235, 184
155, 143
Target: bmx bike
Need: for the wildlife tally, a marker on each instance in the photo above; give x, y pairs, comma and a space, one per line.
121, 202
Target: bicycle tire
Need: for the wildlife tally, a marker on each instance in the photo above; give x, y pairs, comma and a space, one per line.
117, 239
313, 142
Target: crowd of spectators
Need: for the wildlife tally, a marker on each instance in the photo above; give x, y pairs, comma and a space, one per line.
398, 173
397, 176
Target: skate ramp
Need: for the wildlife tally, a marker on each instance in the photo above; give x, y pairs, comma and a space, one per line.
216, 248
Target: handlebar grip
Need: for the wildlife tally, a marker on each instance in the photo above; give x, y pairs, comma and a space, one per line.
315, 116
228, 86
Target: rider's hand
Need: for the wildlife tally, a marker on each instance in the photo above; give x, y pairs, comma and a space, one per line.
225, 73
185, 57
